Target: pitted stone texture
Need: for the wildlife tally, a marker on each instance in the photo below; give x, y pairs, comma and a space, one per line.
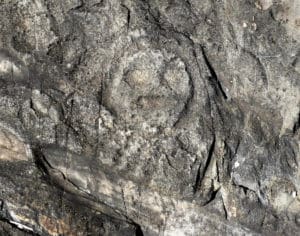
175, 117
289, 14
12, 147
32, 26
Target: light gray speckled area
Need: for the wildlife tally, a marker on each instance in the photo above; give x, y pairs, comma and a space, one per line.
149, 117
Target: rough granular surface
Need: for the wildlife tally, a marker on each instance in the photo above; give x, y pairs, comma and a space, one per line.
149, 117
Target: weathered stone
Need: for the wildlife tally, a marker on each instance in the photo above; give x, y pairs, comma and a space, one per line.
149, 117
12, 147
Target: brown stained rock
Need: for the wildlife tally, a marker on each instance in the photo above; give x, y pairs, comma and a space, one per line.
56, 227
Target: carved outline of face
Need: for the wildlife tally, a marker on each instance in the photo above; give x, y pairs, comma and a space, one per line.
149, 86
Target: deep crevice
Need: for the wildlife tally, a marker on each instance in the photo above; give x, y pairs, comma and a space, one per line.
138, 229
297, 124
210, 155
212, 197
128, 15
215, 81
198, 179
200, 176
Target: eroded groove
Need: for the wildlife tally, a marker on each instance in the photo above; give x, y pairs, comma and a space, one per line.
189, 100
214, 78
296, 125
200, 176
224, 208
263, 75
153, 134
210, 155
198, 179
212, 197
128, 15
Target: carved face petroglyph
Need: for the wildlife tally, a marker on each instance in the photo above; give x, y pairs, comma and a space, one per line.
149, 86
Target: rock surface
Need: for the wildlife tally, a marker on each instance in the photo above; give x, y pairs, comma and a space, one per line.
127, 117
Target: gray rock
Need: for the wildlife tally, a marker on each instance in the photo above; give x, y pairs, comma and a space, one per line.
149, 117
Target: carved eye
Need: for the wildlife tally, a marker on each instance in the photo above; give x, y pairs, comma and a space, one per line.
142, 79
177, 78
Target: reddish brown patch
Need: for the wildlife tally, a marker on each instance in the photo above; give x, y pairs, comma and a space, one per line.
56, 227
